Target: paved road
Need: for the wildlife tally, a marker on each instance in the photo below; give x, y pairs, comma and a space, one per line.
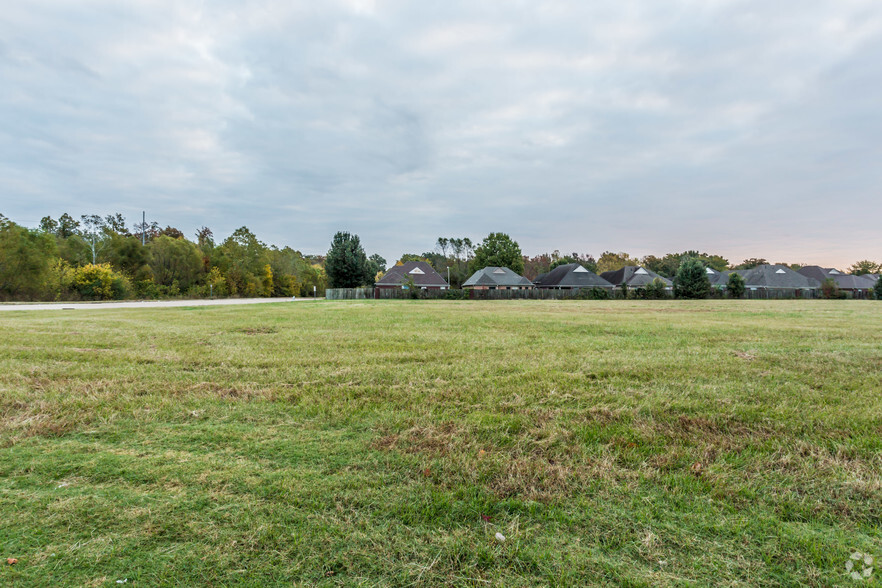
144, 304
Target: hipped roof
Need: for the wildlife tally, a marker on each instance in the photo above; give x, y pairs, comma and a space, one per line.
776, 276
571, 275
496, 276
845, 281
633, 275
421, 272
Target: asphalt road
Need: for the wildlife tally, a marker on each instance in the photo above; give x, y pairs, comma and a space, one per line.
144, 304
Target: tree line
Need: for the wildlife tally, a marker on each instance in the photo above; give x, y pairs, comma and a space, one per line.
101, 258
457, 258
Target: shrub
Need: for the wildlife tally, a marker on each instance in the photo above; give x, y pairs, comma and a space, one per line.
735, 286
98, 282
829, 289
656, 290
151, 290
454, 294
593, 293
877, 289
217, 283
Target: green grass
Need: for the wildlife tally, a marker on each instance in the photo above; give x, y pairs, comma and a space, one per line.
386, 443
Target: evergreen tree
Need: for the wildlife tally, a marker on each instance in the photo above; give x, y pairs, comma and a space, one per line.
347, 265
67, 226
877, 289
691, 280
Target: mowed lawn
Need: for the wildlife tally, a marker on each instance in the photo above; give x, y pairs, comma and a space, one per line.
386, 443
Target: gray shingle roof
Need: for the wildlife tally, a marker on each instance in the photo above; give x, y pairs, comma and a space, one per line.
776, 276
497, 276
843, 280
571, 275
421, 272
633, 275
717, 278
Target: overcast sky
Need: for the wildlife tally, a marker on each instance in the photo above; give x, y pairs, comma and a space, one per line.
743, 128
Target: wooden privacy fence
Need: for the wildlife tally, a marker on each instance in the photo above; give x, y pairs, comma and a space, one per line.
782, 293
450, 294
531, 294
348, 293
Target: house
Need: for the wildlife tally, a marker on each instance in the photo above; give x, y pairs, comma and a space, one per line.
571, 276
420, 273
633, 276
778, 281
497, 278
717, 279
858, 286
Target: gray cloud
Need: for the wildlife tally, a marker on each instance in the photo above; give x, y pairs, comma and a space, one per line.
739, 127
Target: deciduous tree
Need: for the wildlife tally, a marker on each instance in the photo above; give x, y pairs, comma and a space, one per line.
498, 250
175, 262
610, 261
751, 263
25, 260
92, 230
864, 266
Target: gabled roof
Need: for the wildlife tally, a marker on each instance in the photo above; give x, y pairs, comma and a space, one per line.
845, 281
571, 275
633, 275
420, 272
776, 276
496, 276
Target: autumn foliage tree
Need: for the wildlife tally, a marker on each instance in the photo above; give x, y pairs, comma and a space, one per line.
610, 261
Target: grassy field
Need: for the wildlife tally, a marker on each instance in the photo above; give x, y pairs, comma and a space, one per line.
387, 443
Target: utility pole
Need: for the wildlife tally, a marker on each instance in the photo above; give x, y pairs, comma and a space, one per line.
143, 226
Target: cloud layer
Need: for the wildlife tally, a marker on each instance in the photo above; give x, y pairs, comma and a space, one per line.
744, 128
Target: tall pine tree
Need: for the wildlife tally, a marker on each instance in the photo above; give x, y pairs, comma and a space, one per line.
347, 265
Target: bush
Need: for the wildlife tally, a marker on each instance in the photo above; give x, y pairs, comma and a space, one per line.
594, 293
98, 282
656, 290
217, 284
151, 290
735, 286
453, 294
829, 289
877, 289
